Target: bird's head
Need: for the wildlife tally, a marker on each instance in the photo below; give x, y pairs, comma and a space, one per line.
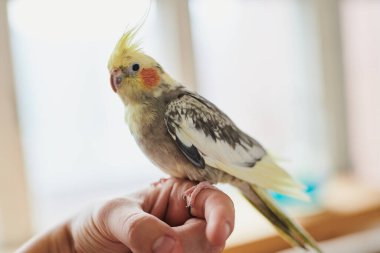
135, 76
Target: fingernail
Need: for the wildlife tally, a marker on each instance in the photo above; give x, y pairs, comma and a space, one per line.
164, 244
227, 230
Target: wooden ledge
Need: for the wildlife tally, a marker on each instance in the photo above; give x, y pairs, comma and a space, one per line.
350, 207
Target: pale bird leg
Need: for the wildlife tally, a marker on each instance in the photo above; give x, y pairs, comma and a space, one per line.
190, 194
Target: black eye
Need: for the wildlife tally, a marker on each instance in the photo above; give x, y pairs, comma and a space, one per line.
135, 67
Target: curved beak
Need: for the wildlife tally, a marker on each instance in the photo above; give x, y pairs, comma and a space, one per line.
117, 76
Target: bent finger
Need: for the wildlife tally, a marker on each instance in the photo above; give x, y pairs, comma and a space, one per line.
218, 210
139, 231
193, 236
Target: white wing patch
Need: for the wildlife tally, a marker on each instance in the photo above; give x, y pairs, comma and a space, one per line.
218, 150
219, 153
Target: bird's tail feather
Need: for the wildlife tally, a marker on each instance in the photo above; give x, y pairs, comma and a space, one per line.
290, 231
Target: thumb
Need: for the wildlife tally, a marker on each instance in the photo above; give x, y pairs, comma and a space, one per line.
140, 231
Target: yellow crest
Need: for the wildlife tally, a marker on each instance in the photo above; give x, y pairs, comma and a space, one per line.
125, 46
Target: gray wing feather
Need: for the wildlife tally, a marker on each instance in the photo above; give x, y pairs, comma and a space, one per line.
191, 110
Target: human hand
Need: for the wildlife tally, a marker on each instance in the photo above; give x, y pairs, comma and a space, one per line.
156, 220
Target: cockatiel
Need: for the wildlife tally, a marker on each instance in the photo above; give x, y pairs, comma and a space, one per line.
187, 136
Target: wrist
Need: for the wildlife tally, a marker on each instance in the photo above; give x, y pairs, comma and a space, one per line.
57, 240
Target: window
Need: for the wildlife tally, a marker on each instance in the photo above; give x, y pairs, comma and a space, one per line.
259, 61
255, 66
76, 143
275, 67
361, 40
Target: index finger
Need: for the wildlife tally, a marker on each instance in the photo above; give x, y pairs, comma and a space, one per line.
218, 210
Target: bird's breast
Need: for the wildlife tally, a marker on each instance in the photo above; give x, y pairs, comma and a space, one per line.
151, 135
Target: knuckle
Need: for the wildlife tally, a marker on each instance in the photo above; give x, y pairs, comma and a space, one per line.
223, 199
178, 182
133, 225
106, 208
102, 215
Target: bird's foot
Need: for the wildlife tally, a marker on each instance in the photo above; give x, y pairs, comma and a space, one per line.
190, 194
161, 181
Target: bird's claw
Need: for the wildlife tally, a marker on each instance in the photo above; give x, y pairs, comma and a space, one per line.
161, 181
190, 194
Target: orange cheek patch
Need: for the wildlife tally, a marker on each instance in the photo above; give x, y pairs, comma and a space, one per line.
150, 77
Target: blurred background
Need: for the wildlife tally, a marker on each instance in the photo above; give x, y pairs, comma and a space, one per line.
302, 77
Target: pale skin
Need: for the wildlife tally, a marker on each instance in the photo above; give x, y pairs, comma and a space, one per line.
151, 220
